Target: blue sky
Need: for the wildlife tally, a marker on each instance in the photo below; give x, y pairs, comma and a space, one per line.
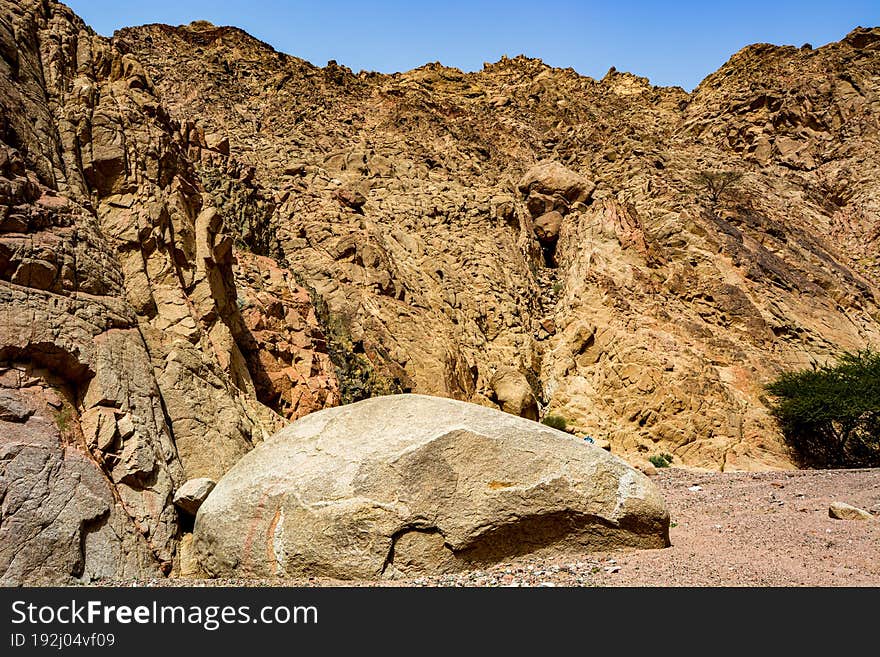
672, 43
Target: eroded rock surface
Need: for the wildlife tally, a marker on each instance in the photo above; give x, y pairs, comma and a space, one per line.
122, 372
644, 257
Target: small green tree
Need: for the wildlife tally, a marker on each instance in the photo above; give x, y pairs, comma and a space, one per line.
715, 184
830, 415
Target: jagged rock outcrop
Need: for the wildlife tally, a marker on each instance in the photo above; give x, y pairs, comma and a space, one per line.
282, 342
121, 369
402, 485
645, 258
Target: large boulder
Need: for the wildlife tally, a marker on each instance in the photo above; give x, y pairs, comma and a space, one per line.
410, 484
512, 392
549, 186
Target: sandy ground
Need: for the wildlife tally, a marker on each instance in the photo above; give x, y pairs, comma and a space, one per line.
764, 529
728, 529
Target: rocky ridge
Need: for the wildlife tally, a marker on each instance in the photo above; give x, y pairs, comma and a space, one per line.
202, 238
636, 259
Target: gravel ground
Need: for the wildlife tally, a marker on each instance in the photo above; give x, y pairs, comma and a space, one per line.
728, 529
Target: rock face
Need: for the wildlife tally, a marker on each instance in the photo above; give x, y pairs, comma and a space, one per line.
123, 366
60, 518
409, 484
582, 232
282, 341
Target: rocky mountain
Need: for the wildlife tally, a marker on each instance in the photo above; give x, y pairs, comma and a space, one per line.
203, 238
636, 259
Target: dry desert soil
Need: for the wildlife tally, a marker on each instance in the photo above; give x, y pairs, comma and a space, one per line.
740, 529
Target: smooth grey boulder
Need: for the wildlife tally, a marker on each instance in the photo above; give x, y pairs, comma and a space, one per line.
408, 484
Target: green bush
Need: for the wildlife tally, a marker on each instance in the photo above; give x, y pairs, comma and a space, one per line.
830, 415
63, 418
555, 421
660, 460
